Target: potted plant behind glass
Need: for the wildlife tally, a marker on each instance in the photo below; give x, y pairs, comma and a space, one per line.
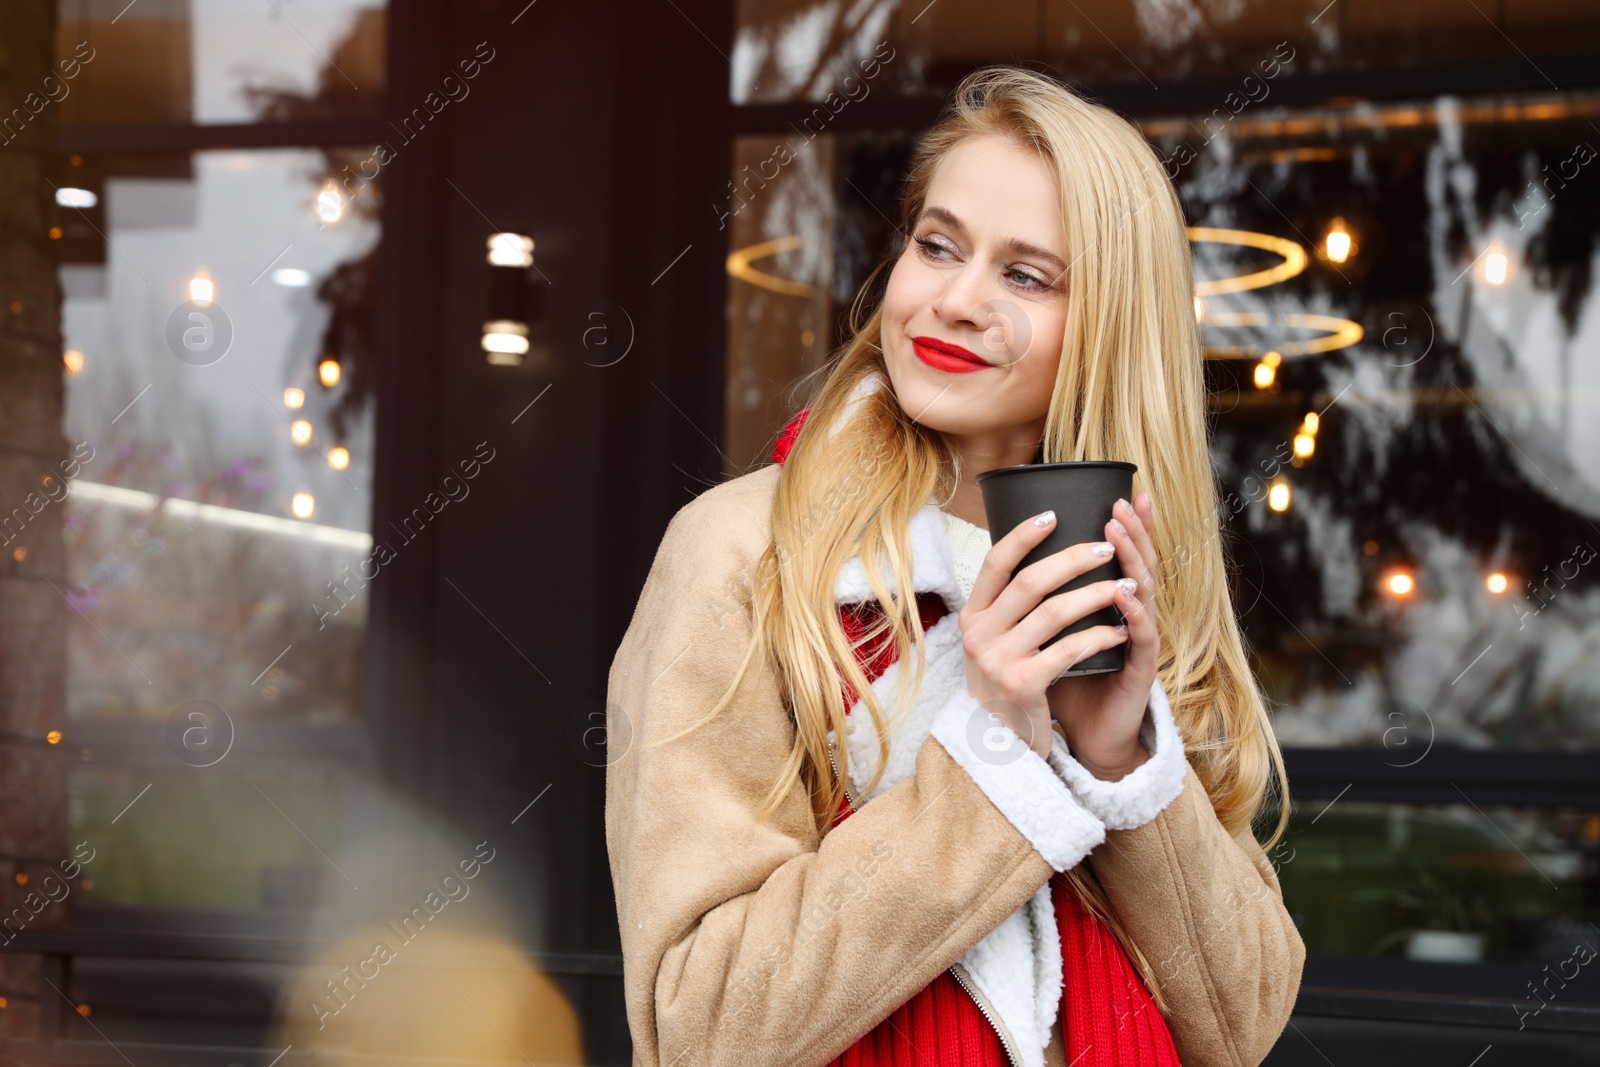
1449, 924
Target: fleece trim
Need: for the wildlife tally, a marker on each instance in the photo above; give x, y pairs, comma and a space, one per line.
932, 565
1017, 966
1139, 796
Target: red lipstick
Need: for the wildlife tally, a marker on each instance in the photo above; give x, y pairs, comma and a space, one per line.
942, 355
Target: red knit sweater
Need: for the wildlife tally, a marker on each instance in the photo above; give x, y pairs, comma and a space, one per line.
1107, 1016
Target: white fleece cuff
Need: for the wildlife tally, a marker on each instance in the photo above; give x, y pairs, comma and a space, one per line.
1017, 780
1139, 796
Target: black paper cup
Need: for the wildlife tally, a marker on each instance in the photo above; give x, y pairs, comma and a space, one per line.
1082, 496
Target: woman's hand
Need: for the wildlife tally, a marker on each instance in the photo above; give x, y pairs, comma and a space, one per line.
1100, 714
1004, 622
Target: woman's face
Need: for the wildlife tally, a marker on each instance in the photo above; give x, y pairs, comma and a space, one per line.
975, 310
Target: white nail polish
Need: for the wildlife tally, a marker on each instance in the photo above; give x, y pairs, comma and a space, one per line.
1103, 548
1044, 519
1129, 586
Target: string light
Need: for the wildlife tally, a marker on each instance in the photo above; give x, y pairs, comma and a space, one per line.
1338, 244
329, 371
1497, 583
293, 397
1496, 267
300, 432
338, 457
303, 504
72, 360
1400, 583
201, 291
1266, 371
329, 204
1304, 445
1278, 496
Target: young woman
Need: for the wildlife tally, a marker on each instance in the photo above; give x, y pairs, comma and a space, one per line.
822, 857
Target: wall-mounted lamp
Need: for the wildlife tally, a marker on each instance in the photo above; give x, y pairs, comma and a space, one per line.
515, 303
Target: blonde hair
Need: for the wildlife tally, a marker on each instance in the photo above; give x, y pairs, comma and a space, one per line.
1129, 387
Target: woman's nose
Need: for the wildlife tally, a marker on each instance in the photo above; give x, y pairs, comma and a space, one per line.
964, 292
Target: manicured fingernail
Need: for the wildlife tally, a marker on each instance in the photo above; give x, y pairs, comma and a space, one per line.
1124, 504
1145, 497
1044, 518
1128, 586
1103, 548
1122, 628
1121, 529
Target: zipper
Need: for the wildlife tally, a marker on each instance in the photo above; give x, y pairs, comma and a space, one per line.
956, 969
1012, 1055
840, 778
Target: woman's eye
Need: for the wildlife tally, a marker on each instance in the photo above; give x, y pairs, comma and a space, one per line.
1026, 280
933, 249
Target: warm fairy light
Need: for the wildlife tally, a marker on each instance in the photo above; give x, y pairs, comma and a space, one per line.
201, 290
83, 1010
72, 359
329, 204
53, 737
1304, 445
1278, 496
338, 457
303, 504
1266, 371
1400, 583
19, 553
1496, 267
21, 877
300, 432
1337, 244
1497, 583
328, 372
293, 397
1311, 422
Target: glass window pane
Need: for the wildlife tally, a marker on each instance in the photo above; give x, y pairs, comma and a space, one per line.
217, 539
806, 50
219, 61
1397, 306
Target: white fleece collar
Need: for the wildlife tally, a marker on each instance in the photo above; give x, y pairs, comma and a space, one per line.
1061, 808
932, 565
1017, 966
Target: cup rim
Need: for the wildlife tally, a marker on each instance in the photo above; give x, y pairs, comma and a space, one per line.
1117, 463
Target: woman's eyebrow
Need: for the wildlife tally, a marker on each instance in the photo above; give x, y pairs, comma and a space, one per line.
1011, 244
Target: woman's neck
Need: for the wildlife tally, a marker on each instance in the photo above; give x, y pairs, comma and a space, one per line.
987, 452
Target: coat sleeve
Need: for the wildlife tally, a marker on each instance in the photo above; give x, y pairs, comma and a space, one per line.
754, 942
1207, 911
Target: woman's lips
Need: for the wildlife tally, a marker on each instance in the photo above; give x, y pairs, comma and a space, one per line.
942, 355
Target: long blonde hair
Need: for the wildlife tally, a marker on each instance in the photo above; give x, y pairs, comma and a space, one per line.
1129, 387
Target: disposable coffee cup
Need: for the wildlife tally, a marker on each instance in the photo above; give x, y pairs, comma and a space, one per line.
1082, 496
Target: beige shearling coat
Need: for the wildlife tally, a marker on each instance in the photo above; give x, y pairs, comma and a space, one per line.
756, 943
